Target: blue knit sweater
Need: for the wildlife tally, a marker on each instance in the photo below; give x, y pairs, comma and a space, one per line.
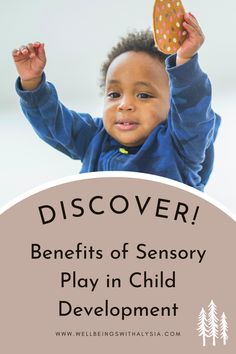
180, 148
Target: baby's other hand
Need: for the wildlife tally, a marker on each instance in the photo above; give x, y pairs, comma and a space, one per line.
193, 41
30, 61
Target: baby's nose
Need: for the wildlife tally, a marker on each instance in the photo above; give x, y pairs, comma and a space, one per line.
126, 104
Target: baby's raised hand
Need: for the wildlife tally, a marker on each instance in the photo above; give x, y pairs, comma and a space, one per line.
30, 61
193, 41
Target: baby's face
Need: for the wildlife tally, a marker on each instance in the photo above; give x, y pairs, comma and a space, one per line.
136, 97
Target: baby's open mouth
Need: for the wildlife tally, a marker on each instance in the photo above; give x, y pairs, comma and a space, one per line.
126, 125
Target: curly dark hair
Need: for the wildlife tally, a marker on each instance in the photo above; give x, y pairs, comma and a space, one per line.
137, 41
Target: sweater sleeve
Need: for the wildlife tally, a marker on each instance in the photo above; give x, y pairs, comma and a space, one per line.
64, 129
192, 122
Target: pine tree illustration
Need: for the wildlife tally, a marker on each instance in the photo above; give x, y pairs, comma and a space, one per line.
213, 322
224, 328
202, 326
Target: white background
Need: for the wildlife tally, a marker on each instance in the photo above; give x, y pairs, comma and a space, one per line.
78, 34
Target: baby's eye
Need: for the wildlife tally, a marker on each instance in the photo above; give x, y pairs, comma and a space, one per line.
113, 94
144, 95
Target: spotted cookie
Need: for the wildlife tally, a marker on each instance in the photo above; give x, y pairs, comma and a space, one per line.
168, 18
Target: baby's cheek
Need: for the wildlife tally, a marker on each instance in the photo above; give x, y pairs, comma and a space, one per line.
157, 115
163, 111
107, 113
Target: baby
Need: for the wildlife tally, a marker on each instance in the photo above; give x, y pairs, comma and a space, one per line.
157, 115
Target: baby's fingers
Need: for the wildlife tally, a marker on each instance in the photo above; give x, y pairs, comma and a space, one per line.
23, 50
20, 54
193, 23
28, 50
15, 52
195, 36
37, 44
36, 49
31, 50
40, 50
